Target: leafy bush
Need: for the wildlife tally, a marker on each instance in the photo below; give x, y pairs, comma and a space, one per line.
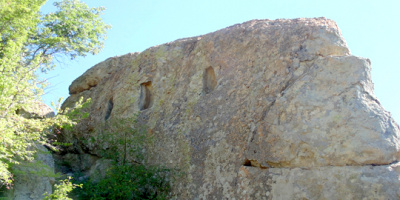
124, 141
61, 190
129, 181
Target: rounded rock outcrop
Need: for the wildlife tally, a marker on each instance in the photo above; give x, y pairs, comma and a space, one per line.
266, 109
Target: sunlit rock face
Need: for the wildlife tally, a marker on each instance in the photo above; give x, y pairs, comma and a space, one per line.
266, 109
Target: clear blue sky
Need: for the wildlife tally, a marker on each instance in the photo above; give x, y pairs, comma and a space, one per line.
370, 27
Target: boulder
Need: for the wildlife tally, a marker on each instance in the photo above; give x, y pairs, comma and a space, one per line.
33, 178
37, 110
266, 109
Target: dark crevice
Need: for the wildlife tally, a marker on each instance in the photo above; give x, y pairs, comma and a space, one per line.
291, 82
110, 106
375, 165
363, 90
77, 90
247, 163
253, 163
253, 135
282, 91
371, 97
265, 112
347, 89
191, 46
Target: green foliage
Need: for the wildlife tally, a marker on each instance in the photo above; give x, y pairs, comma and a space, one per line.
124, 141
73, 30
29, 42
129, 181
71, 115
61, 190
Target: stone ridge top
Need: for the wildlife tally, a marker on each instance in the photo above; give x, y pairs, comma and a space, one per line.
257, 23
307, 37
320, 21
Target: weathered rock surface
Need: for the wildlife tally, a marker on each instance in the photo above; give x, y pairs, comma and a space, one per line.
267, 109
38, 110
34, 178
351, 182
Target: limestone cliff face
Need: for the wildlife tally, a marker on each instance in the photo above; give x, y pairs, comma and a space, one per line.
267, 109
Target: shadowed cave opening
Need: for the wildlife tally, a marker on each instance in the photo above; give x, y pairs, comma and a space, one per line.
146, 98
110, 106
209, 80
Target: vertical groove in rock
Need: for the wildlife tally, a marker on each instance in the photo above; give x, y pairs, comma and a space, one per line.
146, 98
209, 80
110, 106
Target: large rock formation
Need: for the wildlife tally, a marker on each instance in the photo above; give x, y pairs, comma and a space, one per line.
267, 109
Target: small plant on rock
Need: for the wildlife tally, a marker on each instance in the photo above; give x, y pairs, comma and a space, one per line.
61, 190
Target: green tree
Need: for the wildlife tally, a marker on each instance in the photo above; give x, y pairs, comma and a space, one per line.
29, 43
